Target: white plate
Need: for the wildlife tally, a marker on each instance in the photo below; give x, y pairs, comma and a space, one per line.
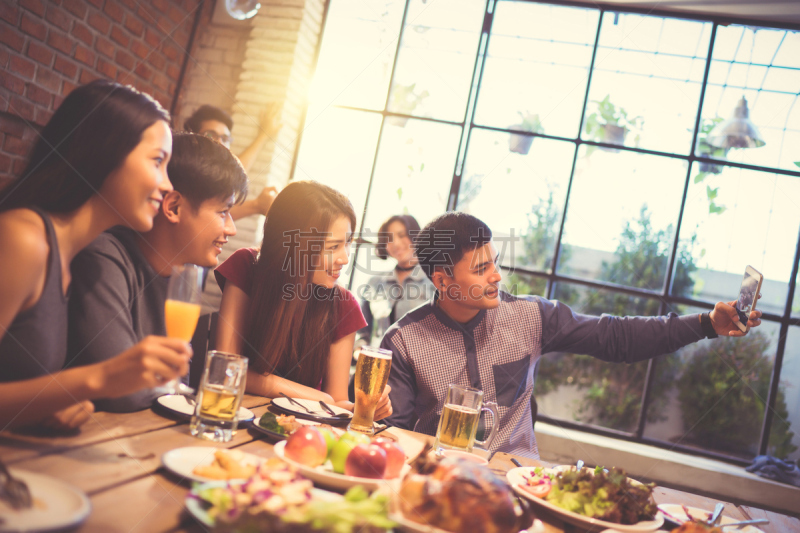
56, 505
178, 404
195, 507
319, 413
677, 511
182, 461
326, 477
515, 478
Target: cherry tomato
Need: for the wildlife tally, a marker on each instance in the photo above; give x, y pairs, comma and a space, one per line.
540, 491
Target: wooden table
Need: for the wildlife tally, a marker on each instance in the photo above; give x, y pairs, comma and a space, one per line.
116, 460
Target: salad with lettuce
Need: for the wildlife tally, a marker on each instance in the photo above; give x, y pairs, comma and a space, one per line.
601, 494
278, 499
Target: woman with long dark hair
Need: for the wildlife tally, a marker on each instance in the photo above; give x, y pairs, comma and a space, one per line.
281, 305
99, 162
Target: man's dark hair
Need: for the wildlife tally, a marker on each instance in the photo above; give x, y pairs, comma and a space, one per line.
201, 169
445, 239
207, 112
412, 228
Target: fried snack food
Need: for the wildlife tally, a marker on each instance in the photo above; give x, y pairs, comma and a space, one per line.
287, 423
697, 527
460, 495
227, 464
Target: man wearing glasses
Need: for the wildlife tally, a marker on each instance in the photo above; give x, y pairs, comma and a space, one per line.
216, 124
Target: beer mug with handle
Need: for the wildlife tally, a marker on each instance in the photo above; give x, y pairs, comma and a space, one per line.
459, 422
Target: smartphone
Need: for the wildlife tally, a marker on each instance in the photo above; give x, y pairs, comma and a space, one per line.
748, 296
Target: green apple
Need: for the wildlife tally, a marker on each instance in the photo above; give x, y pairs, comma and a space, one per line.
339, 452
330, 438
354, 436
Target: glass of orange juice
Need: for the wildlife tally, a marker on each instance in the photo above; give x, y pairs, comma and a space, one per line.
182, 310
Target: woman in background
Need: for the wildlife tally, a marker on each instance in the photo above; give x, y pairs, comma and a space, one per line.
281, 305
390, 296
99, 162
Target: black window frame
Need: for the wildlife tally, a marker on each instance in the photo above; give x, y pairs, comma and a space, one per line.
666, 299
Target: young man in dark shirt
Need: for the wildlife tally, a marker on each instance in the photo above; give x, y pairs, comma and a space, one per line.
475, 335
119, 282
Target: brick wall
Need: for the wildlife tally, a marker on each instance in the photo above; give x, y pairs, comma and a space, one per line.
217, 65
48, 47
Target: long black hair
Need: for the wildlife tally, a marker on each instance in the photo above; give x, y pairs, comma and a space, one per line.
293, 321
89, 136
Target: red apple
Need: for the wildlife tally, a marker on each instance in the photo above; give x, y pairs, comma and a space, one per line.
307, 446
395, 457
366, 461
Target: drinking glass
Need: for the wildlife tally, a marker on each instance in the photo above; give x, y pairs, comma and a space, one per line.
459, 422
372, 373
216, 414
181, 312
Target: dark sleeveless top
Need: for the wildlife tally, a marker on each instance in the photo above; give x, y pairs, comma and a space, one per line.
36, 341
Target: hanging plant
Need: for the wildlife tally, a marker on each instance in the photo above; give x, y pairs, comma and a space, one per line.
705, 149
521, 144
610, 124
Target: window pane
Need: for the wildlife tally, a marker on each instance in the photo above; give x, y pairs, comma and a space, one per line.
586, 389
437, 58
522, 284
784, 441
796, 300
355, 59
712, 394
338, 149
520, 196
413, 172
621, 217
646, 82
761, 65
537, 67
737, 218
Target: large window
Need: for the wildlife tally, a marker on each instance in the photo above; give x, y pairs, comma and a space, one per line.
587, 139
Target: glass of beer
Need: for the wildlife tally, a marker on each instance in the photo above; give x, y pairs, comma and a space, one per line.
182, 310
460, 418
372, 373
221, 389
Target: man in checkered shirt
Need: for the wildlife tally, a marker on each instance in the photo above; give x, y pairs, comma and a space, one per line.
473, 334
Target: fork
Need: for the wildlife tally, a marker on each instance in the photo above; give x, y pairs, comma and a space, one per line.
298, 404
331, 411
17, 490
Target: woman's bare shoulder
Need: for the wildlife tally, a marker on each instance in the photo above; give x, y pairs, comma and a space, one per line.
23, 236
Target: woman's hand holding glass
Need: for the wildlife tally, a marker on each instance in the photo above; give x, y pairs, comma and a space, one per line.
384, 408
148, 364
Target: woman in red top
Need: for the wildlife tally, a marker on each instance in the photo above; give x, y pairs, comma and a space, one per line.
281, 306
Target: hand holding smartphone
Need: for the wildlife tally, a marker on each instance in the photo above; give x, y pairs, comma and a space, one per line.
748, 296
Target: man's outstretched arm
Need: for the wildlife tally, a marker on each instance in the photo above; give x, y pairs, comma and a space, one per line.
629, 339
